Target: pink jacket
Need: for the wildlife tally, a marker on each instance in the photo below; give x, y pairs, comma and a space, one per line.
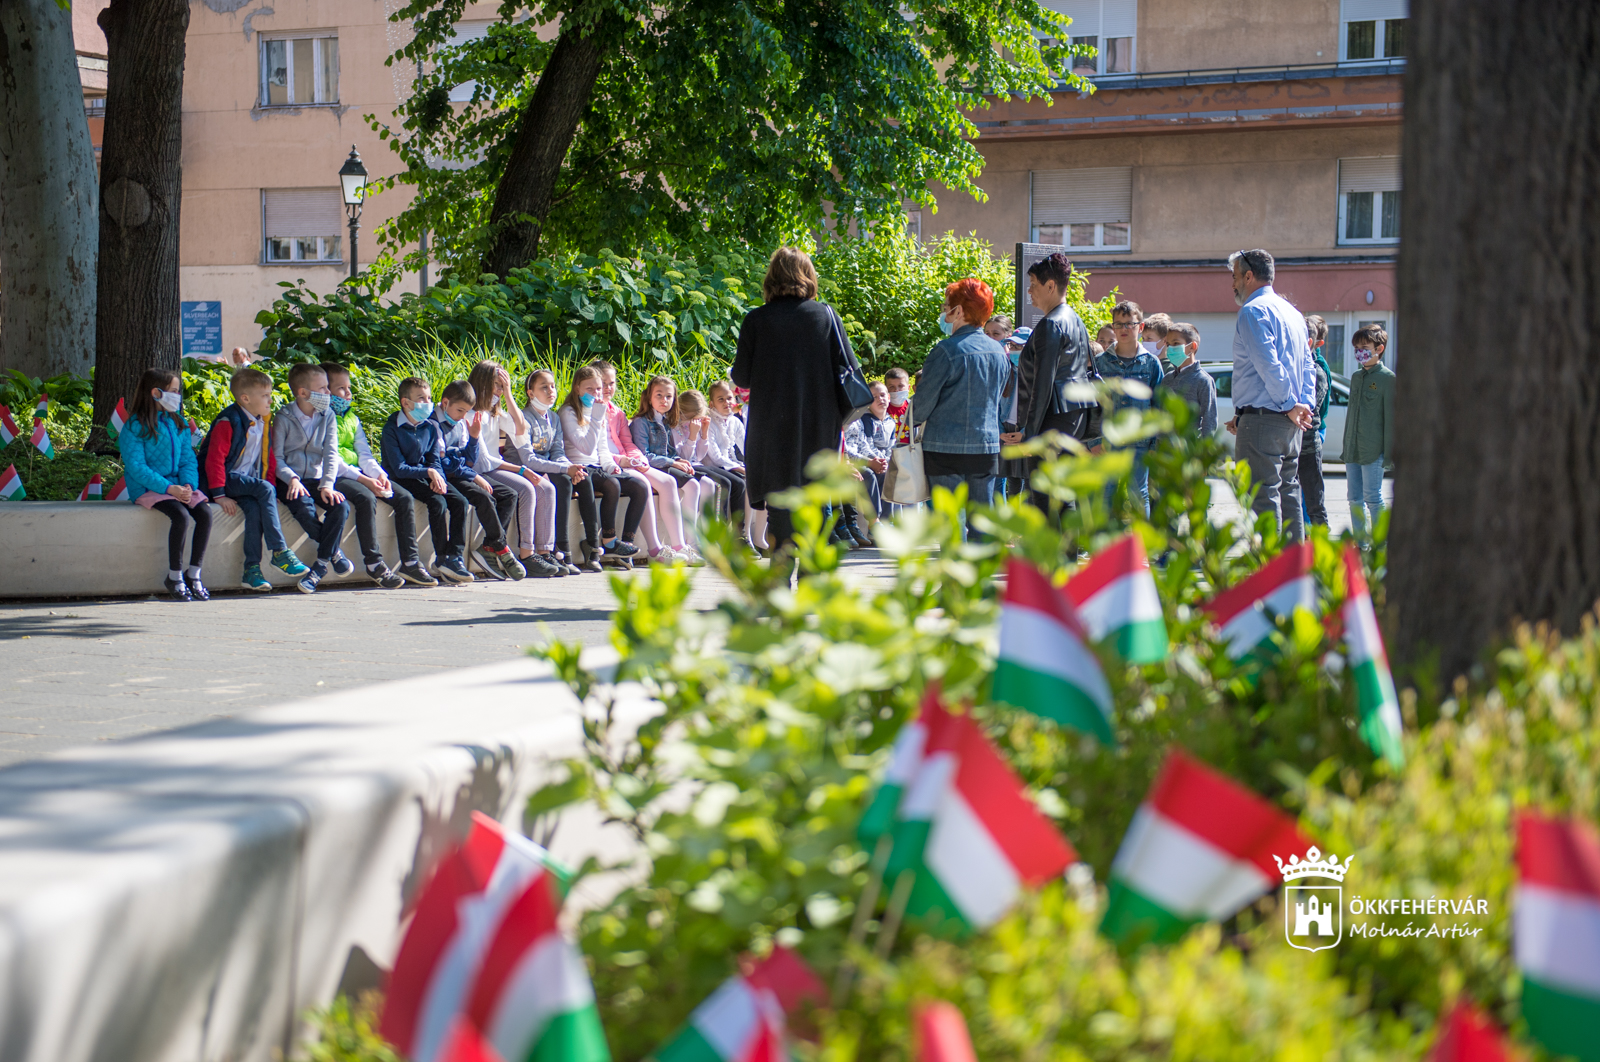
622, 445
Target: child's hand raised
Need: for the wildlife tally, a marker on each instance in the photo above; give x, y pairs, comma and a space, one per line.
475, 425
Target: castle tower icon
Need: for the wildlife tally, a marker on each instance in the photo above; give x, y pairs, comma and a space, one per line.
1319, 914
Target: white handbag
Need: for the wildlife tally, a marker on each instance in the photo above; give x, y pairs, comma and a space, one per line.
905, 483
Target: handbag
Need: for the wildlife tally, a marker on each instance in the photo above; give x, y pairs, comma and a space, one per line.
905, 482
854, 396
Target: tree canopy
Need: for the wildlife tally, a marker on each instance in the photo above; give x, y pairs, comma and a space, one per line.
747, 120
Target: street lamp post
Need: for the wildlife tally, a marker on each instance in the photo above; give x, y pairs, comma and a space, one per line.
353, 183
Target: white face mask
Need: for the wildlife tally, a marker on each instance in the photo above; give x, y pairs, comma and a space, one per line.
319, 401
169, 401
538, 406
898, 398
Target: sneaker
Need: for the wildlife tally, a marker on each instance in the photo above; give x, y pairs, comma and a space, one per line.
416, 575
614, 560
557, 565
539, 568
622, 549
177, 588
341, 564
564, 559
453, 569
486, 564
197, 589
591, 558
387, 579
308, 584
508, 564
691, 556
286, 562
254, 580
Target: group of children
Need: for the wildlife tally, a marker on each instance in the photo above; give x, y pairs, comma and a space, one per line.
518, 461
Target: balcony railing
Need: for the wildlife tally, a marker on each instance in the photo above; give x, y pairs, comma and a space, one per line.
1243, 74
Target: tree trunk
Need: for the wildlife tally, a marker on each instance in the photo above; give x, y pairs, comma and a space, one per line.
522, 200
48, 233
141, 188
1497, 426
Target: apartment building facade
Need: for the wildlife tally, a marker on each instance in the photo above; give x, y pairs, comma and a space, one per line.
1216, 126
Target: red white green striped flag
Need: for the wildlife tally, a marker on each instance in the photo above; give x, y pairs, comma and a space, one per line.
1045, 664
119, 418
1556, 926
458, 917
1115, 597
119, 489
11, 485
904, 760
1199, 849
8, 427
746, 1018
942, 1034
1468, 1035
41, 440
1245, 613
970, 834
42, 410
92, 489
1369, 664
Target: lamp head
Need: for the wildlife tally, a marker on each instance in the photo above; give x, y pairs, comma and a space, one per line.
353, 178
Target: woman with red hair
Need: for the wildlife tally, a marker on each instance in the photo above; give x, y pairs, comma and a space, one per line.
958, 396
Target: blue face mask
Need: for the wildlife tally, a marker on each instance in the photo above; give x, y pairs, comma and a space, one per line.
1176, 356
447, 420
945, 326
420, 411
340, 406
586, 400
1016, 356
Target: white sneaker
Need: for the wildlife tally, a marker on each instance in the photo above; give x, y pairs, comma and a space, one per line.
691, 556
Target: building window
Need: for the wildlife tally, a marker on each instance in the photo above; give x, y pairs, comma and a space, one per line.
301, 225
1083, 210
1369, 200
299, 71
1373, 29
1108, 26
462, 33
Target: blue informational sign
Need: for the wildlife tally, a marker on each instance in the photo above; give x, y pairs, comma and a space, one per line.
202, 327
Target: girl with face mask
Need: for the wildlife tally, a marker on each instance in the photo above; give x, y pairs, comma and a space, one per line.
163, 476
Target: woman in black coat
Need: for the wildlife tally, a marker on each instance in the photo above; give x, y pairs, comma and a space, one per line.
788, 350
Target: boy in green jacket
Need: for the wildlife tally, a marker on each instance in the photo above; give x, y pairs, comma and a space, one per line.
1368, 428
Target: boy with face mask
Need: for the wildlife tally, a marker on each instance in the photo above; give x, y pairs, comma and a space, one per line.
306, 445
1181, 348
1368, 428
898, 381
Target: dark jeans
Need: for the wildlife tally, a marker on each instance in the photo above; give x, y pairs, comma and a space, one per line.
445, 512
1270, 444
364, 504
328, 530
1075, 424
731, 484
1312, 489
494, 508
780, 526
181, 516
564, 489
258, 503
977, 471
611, 489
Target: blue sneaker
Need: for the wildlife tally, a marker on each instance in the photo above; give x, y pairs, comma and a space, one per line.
342, 565
254, 580
308, 585
453, 569
286, 562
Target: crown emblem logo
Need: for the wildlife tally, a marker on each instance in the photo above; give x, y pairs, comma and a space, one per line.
1314, 866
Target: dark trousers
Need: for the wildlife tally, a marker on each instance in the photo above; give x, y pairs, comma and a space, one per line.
326, 531
1313, 492
564, 491
364, 505
780, 526
494, 508
731, 484
445, 511
258, 503
182, 516
610, 490
1075, 424
1270, 444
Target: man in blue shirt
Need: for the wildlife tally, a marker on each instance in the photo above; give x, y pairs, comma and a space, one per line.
1274, 388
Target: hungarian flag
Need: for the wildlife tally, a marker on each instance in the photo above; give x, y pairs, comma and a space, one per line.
1115, 596
458, 918
11, 485
119, 489
1556, 926
942, 1034
119, 418
1467, 1035
197, 434
42, 410
8, 427
904, 759
1245, 613
746, 1018
969, 832
1046, 665
91, 490
1199, 848
1369, 664
41, 439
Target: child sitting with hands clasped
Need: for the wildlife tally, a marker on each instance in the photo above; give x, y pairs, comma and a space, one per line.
305, 445
162, 475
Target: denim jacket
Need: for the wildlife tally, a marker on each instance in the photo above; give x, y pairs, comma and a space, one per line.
654, 440
959, 395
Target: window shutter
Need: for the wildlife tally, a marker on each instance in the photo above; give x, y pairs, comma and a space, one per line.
1370, 175
1063, 197
1120, 18
1369, 10
303, 212
1085, 15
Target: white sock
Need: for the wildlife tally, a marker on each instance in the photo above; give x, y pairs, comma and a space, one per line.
193, 572
175, 576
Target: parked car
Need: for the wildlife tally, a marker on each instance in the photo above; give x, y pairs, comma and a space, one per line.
1338, 406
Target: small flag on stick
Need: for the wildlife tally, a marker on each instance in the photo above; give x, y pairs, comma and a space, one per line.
119, 418
746, 1019
942, 1034
42, 410
41, 439
119, 489
1468, 1035
1369, 665
1116, 599
1046, 665
11, 485
1246, 613
1556, 927
91, 490
8, 427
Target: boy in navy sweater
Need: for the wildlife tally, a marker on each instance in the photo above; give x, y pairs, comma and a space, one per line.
412, 449
460, 431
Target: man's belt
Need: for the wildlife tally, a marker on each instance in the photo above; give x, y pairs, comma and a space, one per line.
1246, 411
